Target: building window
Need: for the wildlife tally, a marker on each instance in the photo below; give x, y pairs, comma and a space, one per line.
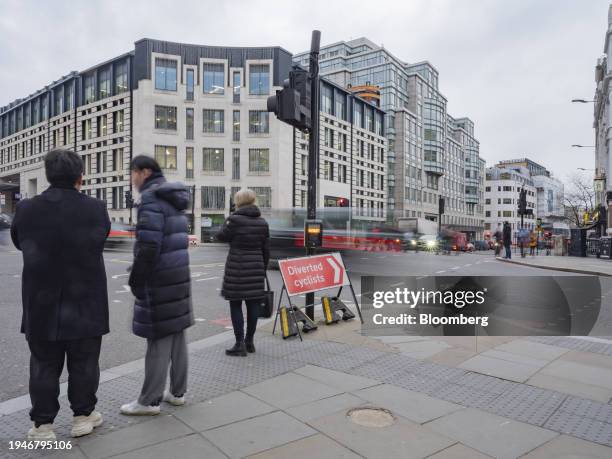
213, 122
90, 95
118, 160
86, 130
213, 160
259, 122
121, 77
326, 99
213, 197
165, 74
189, 123
165, 156
264, 196
259, 79
236, 126
213, 78
340, 110
105, 83
358, 115
328, 137
236, 164
259, 160
165, 117
190, 84
507, 213
328, 170
59, 100
236, 87
102, 126
189, 162
118, 121
430, 155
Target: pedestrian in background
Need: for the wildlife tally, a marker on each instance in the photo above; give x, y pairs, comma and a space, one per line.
161, 284
533, 242
245, 268
507, 237
61, 234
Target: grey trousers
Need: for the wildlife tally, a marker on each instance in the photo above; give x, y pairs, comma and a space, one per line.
169, 350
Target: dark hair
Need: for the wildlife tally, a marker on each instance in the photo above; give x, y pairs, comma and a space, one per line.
141, 162
63, 167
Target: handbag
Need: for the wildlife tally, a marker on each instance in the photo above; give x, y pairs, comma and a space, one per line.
267, 304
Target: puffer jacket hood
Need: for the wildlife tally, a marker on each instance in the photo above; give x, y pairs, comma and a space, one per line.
175, 193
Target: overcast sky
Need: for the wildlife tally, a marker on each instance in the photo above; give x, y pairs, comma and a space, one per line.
511, 66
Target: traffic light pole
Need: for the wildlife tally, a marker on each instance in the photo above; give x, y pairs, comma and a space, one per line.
313, 147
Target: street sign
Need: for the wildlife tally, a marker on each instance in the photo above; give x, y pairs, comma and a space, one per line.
310, 274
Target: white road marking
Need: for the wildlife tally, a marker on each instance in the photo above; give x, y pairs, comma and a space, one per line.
396, 284
117, 276
455, 267
199, 319
207, 278
126, 289
116, 301
423, 277
469, 264
440, 272
16, 275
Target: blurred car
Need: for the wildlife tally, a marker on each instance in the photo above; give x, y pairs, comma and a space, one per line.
482, 245
121, 236
469, 247
193, 240
5, 221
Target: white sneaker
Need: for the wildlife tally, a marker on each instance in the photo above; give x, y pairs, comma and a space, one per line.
42, 432
84, 425
173, 400
136, 409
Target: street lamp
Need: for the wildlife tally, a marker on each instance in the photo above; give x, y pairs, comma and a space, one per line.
582, 101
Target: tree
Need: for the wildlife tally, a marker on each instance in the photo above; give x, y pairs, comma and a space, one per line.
579, 198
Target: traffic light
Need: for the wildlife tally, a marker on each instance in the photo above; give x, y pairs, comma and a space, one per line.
440, 206
292, 103
343, 202
129, 200
232, 208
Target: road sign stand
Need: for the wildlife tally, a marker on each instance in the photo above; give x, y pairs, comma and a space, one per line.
340, 279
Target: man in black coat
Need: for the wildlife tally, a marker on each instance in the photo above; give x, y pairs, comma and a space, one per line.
61, 234
507, 235
245, 269
161, 282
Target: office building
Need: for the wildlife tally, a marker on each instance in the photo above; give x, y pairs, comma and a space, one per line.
201, 112
430, 153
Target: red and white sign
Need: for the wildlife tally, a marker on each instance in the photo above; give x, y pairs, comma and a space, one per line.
309, 274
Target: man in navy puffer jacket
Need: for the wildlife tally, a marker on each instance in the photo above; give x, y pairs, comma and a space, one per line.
161, 282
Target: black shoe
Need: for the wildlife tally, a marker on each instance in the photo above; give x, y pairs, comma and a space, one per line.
239, 350
250, 347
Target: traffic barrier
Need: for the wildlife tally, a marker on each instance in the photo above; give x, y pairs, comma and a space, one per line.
312, 274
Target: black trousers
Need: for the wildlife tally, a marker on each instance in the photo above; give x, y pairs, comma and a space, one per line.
253, 307
46, 365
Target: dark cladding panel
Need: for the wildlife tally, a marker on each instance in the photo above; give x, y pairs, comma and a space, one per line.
191, 55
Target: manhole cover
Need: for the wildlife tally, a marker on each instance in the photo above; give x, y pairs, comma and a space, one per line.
371, 417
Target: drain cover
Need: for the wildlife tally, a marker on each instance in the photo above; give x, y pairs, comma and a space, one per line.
371, 417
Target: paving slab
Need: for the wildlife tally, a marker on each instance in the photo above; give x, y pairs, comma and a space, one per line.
568, 386
290, 389
567, 447
421, 349
406, 403
459, 451
403, 439
589, 358
587, 374
504, 369
161, 428
515, 358
532, 349
189, 447
316, 409
452, 356
258, 434
222, 410
318, 446
337, 379
491, 434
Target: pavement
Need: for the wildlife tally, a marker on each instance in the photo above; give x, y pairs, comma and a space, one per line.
580, 265
437, 397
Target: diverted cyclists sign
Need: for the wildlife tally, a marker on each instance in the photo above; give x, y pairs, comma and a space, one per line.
309, 274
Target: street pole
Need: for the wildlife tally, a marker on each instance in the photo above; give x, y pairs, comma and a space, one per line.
313, 147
